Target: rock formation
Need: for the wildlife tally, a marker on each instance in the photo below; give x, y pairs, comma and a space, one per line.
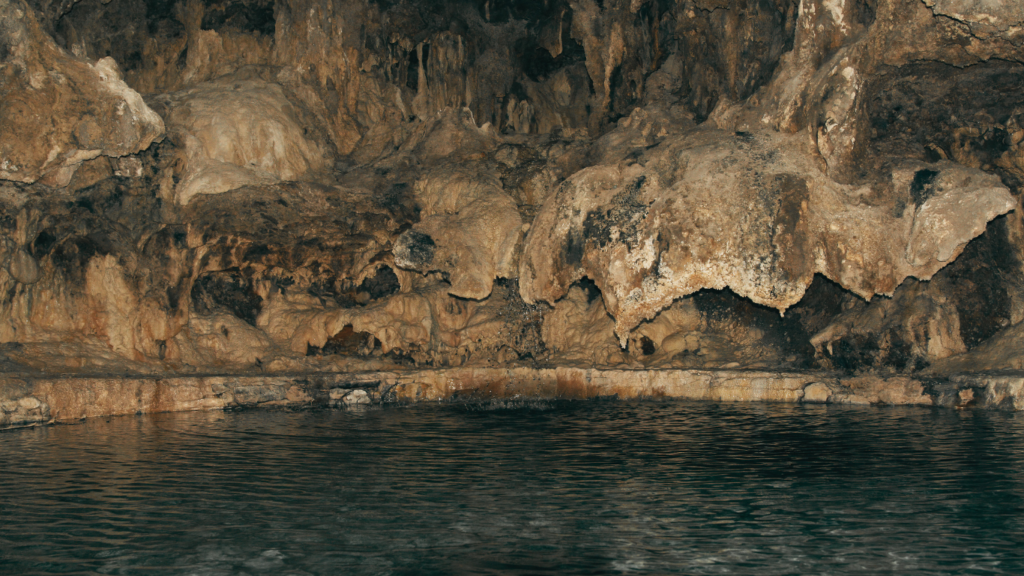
308, 186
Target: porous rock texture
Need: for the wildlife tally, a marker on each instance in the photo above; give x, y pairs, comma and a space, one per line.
749, 212
262, 188
57, 111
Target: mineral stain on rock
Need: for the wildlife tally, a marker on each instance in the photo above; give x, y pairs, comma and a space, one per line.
414, 250
621, 221
228, 290
284, 187
922, 187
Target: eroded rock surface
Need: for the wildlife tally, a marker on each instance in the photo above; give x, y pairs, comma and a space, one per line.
379, 187
753, 212
57, 110
239, 130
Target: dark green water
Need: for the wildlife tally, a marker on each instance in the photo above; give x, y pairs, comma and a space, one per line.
529, 488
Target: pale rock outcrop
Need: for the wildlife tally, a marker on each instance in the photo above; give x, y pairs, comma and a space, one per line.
226, 340
579, 329
754, 212
451, 134
236, 131
58, 111
298, 321
675, 330
825, 85
988, 19
469, 230
1002, 352
468, 227
353, 196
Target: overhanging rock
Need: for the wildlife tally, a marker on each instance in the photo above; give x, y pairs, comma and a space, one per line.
754, 212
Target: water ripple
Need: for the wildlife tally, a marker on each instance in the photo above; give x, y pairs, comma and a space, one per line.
519, 488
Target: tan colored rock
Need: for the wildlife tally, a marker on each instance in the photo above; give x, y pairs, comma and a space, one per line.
1004, 351
356, 397
238, 131
818, 392
297, 321
675, 329
58, 111
917, 326
580, 330
986, 18
824, 85
46, 399
875, 390
469, 229
231, 341
752, 212
23, 267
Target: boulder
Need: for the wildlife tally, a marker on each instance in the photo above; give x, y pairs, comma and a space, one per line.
469, 229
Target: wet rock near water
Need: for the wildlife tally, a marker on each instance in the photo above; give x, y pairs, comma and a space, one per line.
262, 188
32, 401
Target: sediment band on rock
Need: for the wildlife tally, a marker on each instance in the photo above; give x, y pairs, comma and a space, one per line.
254, 188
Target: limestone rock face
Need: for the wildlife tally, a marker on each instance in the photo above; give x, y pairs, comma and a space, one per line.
579, 328
476, 226
984, 17
236, 131
360, 185
919, 326
56, 110
754, 212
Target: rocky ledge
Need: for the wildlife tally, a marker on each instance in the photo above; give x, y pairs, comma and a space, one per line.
33, 401
696, 198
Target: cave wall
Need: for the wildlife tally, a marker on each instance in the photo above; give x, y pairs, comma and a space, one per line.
343, 185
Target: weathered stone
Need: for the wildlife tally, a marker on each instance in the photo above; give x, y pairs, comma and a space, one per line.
56, 110
469, 229
356, 397
23, 267
511, 193
817, 392
237, 131
29, 403
752, 212
986, 18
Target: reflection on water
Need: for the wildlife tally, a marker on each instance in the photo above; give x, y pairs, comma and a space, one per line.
534, 488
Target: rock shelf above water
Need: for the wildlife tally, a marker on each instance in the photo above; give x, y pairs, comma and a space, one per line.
33, 401
410, 187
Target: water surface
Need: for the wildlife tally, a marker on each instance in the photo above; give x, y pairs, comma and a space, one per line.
519, 488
